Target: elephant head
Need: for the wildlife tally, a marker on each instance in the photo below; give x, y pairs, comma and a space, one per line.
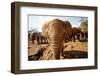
55, 31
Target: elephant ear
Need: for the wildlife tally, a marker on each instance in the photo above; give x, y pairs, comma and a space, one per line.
45, 28
68, 28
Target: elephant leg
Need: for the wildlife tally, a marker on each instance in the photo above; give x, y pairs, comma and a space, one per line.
41, 40
74, 38
44, 40
70, 38
77, 36
37, 40
33, 41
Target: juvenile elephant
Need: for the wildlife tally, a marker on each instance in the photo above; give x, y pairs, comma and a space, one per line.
55, 30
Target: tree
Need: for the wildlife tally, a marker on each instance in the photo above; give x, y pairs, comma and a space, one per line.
84, 30
84, 26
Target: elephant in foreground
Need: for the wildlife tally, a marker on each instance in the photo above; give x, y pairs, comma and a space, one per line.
55, 30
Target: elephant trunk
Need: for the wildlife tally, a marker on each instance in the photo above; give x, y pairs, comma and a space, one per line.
56, 46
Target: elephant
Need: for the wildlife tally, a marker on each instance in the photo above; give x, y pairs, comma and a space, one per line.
55, 30
76, 33
32, 37
39, 37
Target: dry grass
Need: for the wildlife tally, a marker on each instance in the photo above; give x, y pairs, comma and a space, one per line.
71, 49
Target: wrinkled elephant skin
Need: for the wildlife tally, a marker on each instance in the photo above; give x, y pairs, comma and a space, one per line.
55, 30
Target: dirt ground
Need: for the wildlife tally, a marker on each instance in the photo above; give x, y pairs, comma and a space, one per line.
71, 49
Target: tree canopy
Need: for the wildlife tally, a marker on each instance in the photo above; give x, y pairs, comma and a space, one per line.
84, 26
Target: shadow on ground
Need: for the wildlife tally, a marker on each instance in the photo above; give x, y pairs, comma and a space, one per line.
74, 54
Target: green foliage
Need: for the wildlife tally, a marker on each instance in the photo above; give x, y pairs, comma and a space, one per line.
84, 26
